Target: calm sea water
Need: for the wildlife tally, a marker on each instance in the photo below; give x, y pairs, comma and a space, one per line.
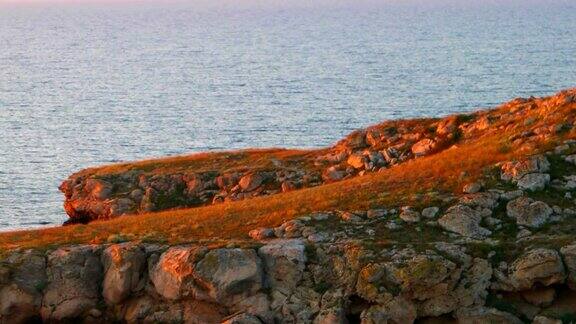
87, 85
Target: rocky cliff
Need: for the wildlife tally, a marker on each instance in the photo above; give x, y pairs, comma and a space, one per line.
488, 235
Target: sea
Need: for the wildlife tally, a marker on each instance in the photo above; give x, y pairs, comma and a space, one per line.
90, 83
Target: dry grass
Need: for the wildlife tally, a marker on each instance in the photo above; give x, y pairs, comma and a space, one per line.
233, 220
201, 162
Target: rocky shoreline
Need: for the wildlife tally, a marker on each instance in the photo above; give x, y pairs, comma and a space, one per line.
500, 249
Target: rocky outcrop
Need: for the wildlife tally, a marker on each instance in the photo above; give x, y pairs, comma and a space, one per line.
282, 281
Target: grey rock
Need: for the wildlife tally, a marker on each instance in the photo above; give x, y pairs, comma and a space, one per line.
123, 271
473, 187
284, 261
542, 266
534, 181
409, 215
430, 212
465, 221
74, 277
528, 212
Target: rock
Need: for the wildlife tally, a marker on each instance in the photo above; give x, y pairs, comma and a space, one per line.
334, 315
355, 140
430, 212
543, 266
472, 188
423, 147
317, 237
484, 315
528, 212
356, 161
376, 213
512, 171
447, 125
397, 310
98, 189
251, 181
570, 183
74, 276
121, 206
173, 275
123, 271
409, 215
261, 233
569, 254
290, 229
427, 276
534, 181
333, 174
465, 221
545, 320
21, 289
523, 233
473, 287
488, 200
227, 275
571, 159
350, 217
243, 319
284, 261
511, 195
287, 186
540, 297
221, 275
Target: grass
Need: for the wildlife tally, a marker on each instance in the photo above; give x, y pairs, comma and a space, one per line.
205, 162
232, 220
410, 183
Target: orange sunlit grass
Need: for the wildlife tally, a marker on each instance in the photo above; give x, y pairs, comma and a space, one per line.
395, 186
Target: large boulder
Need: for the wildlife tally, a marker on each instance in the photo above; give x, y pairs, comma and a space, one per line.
123, 271
528, 212
21, 292
173, 275
229, 275
427, 276
538, 266
74, 277
224, 276
284, 262
465, 221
